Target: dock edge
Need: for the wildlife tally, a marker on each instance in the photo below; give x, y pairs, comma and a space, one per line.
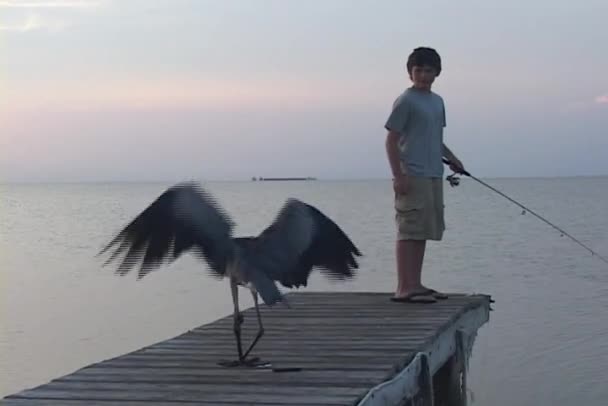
409, 382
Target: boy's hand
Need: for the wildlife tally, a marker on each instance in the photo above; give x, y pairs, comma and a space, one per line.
456, 166
400, 184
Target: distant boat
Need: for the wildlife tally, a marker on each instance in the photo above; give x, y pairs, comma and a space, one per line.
274, 179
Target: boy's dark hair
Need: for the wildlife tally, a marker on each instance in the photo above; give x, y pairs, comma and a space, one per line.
424, 56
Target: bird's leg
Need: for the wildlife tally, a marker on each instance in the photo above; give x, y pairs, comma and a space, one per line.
238, 320
238, 317
261, 326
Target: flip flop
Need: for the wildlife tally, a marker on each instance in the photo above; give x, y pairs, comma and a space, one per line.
416, 297
437, 295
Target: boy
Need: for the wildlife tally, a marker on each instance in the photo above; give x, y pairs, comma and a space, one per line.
414, 146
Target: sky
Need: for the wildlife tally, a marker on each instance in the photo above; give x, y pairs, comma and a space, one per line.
166, 90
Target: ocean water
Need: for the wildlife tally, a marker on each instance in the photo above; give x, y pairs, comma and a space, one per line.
546, 342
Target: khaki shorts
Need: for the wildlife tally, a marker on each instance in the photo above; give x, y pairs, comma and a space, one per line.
419, 212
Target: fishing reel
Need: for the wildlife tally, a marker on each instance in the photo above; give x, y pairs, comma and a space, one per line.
453, 179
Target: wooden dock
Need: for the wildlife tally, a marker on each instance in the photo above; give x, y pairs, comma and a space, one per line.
346, 349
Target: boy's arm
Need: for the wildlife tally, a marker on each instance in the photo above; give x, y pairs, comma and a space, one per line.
400, 178
456, 165
395, 125
392, 152
449, 154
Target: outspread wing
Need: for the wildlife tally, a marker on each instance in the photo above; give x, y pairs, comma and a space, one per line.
182, 218
300, 239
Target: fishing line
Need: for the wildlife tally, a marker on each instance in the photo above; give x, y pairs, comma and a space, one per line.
454, 181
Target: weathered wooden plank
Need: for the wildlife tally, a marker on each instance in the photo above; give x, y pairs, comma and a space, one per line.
339, 322
317, 361
382, 332
285, 379
406, 309
185, 396
345, 314
202, 390
291, 345
232, 373
355, 306
203, 362
322, 305
269, 355
279, 347
375, 332
71, 402
341, 313
287, 345
306, 324
280, 331
359, 310
288, 348
304, 294
300, 358
291, 325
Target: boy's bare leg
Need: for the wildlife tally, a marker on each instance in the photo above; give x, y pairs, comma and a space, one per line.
410, 256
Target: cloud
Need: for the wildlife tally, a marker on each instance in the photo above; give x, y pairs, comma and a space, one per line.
602, 99
32, 23
50, 4
32, 15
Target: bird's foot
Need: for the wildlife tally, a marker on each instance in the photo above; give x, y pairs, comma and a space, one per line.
252, 362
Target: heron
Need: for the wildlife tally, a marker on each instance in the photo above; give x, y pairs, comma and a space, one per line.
187, 218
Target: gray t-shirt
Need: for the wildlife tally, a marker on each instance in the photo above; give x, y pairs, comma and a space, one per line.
419, 117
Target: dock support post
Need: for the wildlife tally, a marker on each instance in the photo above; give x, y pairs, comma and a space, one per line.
458, 374
451, 379
425, 382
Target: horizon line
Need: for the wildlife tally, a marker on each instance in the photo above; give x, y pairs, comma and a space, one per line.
317, 179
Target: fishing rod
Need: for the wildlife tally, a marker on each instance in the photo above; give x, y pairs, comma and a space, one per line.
454, 182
